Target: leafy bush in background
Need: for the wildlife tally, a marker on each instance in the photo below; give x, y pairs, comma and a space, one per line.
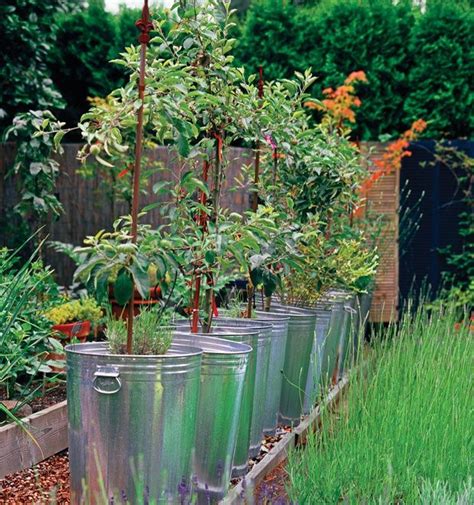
418, 65
86, 41
441, 77
337, 38
268, 37
27, 35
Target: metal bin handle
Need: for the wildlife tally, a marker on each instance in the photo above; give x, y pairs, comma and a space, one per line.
107, 380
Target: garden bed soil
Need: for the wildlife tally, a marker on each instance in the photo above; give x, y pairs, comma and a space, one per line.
51, 397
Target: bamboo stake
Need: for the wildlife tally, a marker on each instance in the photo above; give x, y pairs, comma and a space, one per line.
203, 224
257, 145
144, 25
250, 285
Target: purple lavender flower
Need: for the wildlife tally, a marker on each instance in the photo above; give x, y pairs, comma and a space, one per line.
124, 497
183, 490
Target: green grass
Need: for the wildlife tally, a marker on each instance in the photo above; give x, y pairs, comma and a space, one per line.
405, 428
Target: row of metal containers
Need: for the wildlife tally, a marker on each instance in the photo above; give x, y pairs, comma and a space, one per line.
164, 428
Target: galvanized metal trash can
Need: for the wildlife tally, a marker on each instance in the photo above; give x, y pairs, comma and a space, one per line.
223, 369
364, 301
331, 343
249, 337
346, 342
323, 311
301, 328
279, 324
132, 422
265, 336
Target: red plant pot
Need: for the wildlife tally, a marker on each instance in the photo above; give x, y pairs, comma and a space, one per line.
79, 330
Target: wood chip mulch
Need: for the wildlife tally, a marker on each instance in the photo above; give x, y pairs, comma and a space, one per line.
46, 483
272, 490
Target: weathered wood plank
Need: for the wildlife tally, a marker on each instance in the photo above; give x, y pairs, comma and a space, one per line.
42, 435
243, 492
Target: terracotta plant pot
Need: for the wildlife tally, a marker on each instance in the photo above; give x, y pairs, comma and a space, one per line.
79, 330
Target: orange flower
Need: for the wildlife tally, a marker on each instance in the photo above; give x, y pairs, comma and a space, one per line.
359, 75
340, 102
397, 150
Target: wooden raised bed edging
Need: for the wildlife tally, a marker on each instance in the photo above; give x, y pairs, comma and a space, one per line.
39, 436
244, 491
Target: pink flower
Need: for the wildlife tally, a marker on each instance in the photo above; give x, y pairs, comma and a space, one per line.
269, 140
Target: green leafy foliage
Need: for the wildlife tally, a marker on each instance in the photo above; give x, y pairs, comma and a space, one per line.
111, 259
440, 77
417, 64
27, 36
25, 333
198, 104
267, 37
87, 39
34, 169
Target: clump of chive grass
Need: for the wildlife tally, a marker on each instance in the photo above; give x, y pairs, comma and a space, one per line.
152, 334
406, 421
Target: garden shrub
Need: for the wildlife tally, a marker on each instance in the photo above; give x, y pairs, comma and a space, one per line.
362, 35
267, 37
86, 41
440, 78
27, 34
417, 64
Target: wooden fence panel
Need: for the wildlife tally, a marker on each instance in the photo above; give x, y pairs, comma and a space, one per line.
383, 199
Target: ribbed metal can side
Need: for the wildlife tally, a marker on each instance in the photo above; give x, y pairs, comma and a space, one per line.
223, 372
313, 382
346, 342
299, 343
265, 335
279, 324
126, 415
250, 337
